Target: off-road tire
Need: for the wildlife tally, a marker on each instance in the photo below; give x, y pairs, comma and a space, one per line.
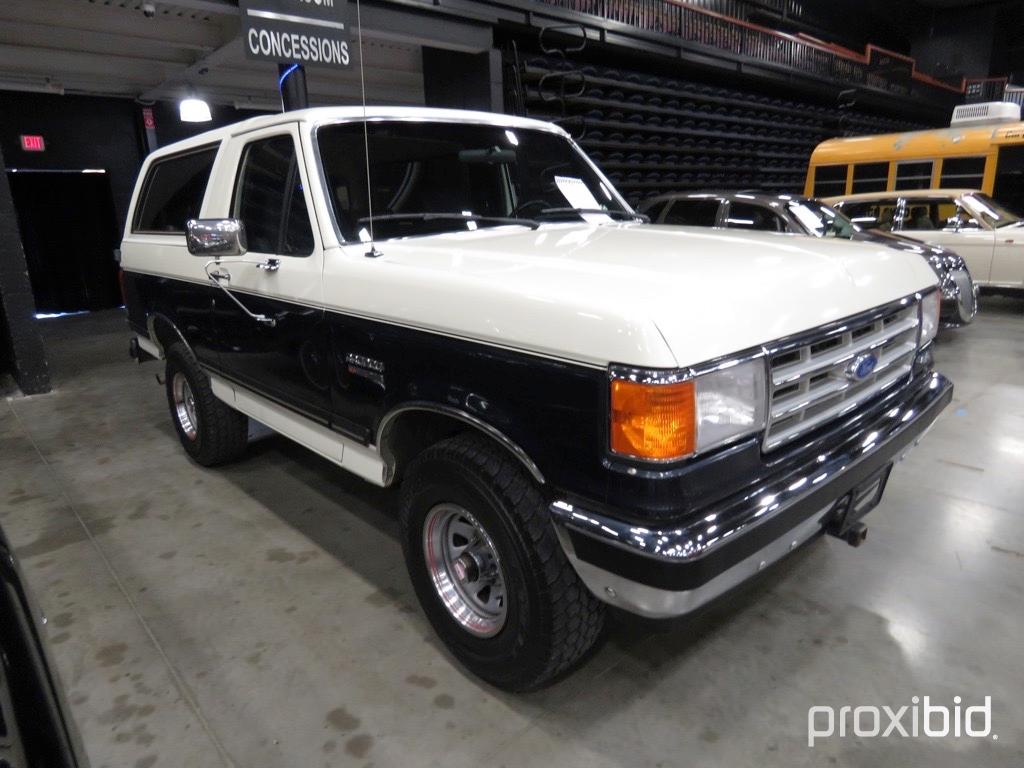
222, 433
552, 619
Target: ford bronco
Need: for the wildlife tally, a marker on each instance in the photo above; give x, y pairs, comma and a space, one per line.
580, 408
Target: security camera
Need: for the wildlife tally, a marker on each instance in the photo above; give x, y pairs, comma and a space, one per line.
149, 10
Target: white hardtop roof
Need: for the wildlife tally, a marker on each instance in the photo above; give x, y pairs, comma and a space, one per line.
918, 193
333, 114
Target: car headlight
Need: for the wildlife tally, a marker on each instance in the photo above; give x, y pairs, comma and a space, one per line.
930, 307
730, 403
667, 417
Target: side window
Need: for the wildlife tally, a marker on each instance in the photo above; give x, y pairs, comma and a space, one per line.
871, 215
754, 217
173, 192
953, 217
916, 175
870, 177
962, 172
932, 214
830, 180
655, 210
693, 213
923, 215
269, 199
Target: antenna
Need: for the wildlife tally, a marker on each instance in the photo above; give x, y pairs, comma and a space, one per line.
373, 253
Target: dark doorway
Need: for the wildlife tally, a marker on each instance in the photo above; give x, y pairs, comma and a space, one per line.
69, 231
1009, 186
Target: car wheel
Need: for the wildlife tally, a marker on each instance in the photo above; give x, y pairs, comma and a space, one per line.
487, 567
210, 431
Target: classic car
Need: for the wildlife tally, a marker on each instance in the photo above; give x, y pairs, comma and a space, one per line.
36, 729
758, 211
580, 408
988, 235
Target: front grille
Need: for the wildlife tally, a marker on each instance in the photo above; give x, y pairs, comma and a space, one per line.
809, 381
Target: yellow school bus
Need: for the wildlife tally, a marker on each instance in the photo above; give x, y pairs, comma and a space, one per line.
985, 157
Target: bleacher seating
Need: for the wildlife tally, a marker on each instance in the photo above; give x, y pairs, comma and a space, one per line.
653, 134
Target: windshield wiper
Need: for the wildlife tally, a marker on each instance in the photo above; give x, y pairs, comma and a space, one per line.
621, 215
427, 216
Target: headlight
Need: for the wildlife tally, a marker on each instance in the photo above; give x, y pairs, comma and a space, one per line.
673, 417
930, 306
730, 403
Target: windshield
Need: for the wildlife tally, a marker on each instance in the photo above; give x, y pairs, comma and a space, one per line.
821, 220
431, 177
994, 213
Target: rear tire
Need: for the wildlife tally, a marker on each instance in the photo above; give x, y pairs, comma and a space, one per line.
211, 432
468, 495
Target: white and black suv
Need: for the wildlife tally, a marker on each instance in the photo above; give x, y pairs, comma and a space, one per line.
581, 408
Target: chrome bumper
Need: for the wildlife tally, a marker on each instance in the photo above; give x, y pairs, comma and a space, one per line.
663, 572
959, 298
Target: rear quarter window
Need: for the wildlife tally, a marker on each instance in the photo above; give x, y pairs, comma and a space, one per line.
173, 191
693, 213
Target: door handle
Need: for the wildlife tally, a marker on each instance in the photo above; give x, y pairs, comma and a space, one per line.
220, 276
270, 265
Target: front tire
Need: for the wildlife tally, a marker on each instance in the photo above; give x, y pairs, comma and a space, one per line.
487, 567
211, 432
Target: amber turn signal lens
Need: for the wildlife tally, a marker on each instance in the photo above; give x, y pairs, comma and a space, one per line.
653, 421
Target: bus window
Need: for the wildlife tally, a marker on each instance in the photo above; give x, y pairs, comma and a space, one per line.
871, 215
829, 180
916, 175
1009, 186
962, 172
870, 177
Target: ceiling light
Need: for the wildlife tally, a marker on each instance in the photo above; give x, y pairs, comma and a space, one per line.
193, 110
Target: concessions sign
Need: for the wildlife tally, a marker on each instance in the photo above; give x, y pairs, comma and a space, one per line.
299, 31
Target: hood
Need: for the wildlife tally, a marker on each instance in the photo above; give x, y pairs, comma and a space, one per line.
942, 260
656, 296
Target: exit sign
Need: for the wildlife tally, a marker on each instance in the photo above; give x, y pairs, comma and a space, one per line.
33, 144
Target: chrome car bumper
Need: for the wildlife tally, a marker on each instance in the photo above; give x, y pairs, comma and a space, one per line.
959, 298
663, 572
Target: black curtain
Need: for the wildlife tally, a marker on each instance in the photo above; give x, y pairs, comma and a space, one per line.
69, 232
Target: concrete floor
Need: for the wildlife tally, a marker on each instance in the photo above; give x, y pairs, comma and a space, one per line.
260, 614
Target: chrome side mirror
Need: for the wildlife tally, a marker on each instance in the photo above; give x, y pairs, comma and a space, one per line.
215, 238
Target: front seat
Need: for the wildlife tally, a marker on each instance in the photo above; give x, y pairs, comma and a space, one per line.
919, 218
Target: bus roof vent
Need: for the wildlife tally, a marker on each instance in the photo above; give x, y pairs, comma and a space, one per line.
1014, 93
983, 114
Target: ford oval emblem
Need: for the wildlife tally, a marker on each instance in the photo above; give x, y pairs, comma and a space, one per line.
861, 366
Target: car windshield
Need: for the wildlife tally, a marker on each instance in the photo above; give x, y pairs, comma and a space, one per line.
821, 220
995, 214
432, 177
